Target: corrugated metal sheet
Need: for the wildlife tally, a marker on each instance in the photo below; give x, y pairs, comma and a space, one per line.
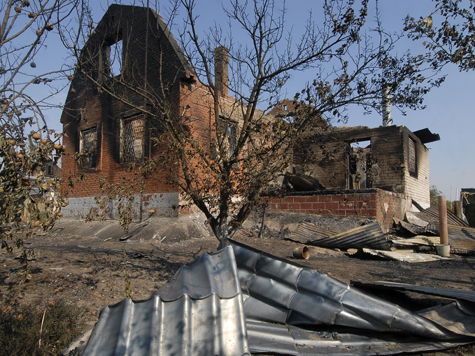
369, 235
200, 313
292, 340
461, 237
204, 310
432, 215
450, 293
298, 295
210, 273
405, 255
429, 229
307, 232
186, 326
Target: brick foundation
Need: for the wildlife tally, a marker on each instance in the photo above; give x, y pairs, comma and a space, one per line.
375, 203
165, 204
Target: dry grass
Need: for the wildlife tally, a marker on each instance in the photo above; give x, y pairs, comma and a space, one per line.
37, 328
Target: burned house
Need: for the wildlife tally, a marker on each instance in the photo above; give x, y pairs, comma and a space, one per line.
105, 123
379, 172
107, 129
391, 158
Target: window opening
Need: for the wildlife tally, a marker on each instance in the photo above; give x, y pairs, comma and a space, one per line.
49, 169
360, 164
88, 148
132, 139
229, 131
115, 58
412, 159
112, 55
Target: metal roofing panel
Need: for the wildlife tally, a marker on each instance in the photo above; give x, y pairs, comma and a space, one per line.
405, 255
428, 229
307, 232
319, 297
369, 235
450, 293
426, 136
432, 215
198, 312
461, 237
293, 340
185, 326
193, 317
210, 273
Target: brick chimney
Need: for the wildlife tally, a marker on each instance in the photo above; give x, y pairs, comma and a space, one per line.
221, 62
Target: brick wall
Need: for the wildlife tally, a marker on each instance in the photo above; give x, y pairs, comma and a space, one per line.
417, 186
375, 203
88, 106
389, 150
330, 161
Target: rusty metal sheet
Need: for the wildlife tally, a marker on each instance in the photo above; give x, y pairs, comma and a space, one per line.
307, 232
405, 255
432, 215
462, 237
417, 241
369, 235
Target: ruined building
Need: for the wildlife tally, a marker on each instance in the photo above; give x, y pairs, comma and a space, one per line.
335, 170
391, 158
103, 133
358, 171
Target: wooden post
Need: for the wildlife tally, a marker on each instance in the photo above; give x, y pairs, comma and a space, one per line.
443, 228
458, 208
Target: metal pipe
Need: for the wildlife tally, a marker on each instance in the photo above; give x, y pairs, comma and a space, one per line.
386, 105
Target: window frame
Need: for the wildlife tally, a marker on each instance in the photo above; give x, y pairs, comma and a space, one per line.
126, 133
93, 158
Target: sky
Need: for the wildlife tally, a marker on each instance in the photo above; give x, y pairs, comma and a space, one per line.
450, 108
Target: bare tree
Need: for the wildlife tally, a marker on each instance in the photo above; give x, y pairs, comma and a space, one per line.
447, 32
27, 147
224, 176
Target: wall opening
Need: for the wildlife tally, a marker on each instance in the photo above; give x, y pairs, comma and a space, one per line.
132, 139
229, 131
412, 158
88, 148
113, 55
359, 164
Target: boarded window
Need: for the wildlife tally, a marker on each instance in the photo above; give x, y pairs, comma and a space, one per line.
132, 139
412, 159
88, 148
